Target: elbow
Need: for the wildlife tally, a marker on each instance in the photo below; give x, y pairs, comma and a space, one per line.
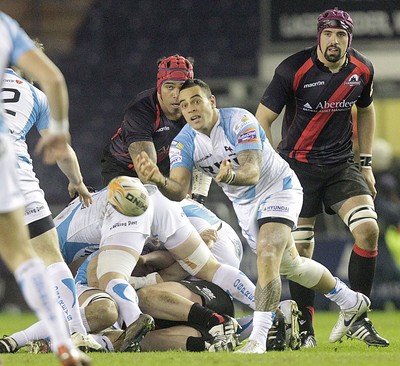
253, 179
179, 196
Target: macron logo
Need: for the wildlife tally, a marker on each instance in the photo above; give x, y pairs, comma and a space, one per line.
312, 85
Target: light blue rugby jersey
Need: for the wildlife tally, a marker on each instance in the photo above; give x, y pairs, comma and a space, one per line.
200, 216
236, 130
13, 43
25, 106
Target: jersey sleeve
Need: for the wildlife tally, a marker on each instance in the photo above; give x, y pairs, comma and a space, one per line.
139, 123
247, 132
43, 112
366, 97
182, 149
279, 90
199, 216
20, 40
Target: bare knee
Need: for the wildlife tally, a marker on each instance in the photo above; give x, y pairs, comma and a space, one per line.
101, 314
366, 235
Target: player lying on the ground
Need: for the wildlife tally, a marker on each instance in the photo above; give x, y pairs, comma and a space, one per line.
184, 319
121, 239
192, 326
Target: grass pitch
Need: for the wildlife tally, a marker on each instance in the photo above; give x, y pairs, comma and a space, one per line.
349, 352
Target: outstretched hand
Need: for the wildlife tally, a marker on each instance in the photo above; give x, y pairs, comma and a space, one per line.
225, 172
82, 191
147, 170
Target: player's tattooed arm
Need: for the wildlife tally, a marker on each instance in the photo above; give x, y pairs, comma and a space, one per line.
248, 172
250, 167
267, 298
135, 148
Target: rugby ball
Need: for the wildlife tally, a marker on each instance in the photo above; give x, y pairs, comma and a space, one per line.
128, 196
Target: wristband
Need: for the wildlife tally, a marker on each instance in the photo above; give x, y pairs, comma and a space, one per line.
366, 160
231, 177
200, 183
199, 198
57, 127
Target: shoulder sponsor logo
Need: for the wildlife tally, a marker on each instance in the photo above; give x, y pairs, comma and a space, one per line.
246, 120
249, 135
353, 80
175, 159
179, 145
312, 85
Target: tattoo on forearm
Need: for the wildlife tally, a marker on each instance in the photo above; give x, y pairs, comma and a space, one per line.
267, 298
250, 157
135, 148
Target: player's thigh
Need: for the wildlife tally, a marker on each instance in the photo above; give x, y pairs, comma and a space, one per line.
46, 246
346, 184
176, 288
173, 338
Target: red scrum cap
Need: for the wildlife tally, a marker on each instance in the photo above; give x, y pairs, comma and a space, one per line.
175, 68
335, 18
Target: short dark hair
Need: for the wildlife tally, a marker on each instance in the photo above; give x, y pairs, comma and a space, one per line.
190, 83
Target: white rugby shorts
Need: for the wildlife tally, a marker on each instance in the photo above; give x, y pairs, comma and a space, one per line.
36, 207
284, 204
11, 196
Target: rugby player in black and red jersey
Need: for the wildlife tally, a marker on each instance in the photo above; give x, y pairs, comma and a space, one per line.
150, 123
319, 86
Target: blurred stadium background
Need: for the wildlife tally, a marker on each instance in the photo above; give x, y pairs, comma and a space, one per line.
108, 50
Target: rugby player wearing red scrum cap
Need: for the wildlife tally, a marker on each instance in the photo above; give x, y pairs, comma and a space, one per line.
150, 123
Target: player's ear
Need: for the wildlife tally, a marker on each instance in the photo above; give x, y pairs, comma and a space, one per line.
213, 100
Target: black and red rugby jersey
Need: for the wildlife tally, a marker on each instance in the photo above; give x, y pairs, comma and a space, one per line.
144, 120
317, 126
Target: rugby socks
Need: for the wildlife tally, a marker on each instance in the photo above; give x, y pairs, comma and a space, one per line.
34, 332
304, 298
84, 319
196, 344
361, 270
262, 323
66, 295
204, 317
236, 284
344, 297
104, 341
126, 298
39, 295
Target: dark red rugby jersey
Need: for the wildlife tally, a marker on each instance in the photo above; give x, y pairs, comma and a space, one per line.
317, 126
144, 120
